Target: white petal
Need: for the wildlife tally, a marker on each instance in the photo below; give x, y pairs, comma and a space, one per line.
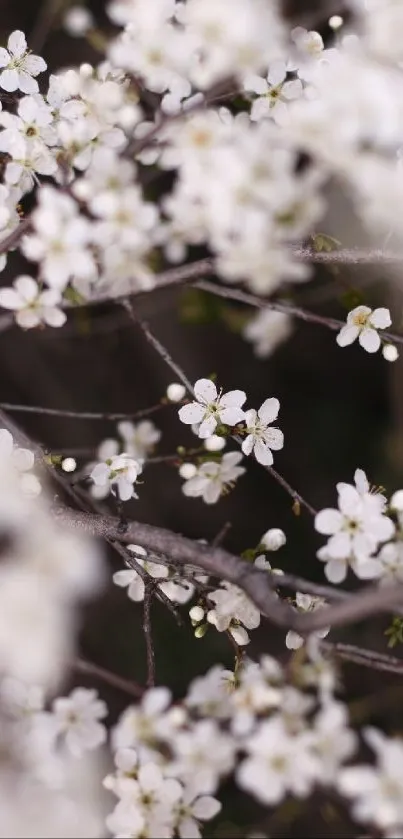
17, 43
336, 570
188, 829
6, 443
268, 411
369, 340
207, 428
9, 80
4, 57
206, 808
263, 454
34, 64
328, 521
274, 438
26, 287
380, 318
124, 578
277, 72
292, 90
248, 444
28, 318
347, 335
205, 391
233, 399
255, 84
54, 317
189, 414
9, 299
26, 83
231, 416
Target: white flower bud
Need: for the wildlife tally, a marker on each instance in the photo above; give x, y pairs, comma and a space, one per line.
175, 392
69, 464
273, 539
187, 471
389, 352
396, 502
196, 614
214, 443
77, 21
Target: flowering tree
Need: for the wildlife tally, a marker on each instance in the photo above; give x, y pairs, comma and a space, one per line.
199, 151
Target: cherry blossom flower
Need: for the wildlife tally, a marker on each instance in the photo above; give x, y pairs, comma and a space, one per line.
131, 578
20, 66
202, 756
193, 809
211, 479
33, 306
232, 606
139, 725
305, 603
333, 741
376, 791
273, 93
151, 795
261, 438
363, 323
76, 718
356, 529
278, 763
212, 408
119, 474
266, 331
139, 439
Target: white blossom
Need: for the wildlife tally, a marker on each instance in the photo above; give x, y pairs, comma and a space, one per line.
266, 330
32, 306
363, 323
76, 719
356, 530
19, 66
273, 539
212, 408
211, 479
117, 474
261, 438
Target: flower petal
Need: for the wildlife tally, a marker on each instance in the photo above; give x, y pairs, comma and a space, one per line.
247, 444
369, 340
328, 521
10, 299
274, 438
231, 416
189, 414
26, 287
347, 335
233, 399
206, 807
336, 571
9, 80
268, 411
17, 43
277, 72
207, 427
380, 318
255, 84
205, 391
263, 454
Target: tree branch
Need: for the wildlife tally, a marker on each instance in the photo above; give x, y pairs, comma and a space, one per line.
365, 658
257, 584
81, 415
89, 669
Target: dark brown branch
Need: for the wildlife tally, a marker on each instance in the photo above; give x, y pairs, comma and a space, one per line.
257, 584
112, 679
13, 238
148, 594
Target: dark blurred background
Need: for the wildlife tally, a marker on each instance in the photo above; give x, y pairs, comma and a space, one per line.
340, 409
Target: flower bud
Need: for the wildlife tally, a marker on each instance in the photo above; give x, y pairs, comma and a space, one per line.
196, 614
201, 630
214, 443
175, 392
187, 471
389, 352
273, 539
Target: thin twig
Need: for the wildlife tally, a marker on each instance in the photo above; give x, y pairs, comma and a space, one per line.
297, 498
87, 668
161, 350
221, 535
294, 311
365, 658
81, 415
148, 593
